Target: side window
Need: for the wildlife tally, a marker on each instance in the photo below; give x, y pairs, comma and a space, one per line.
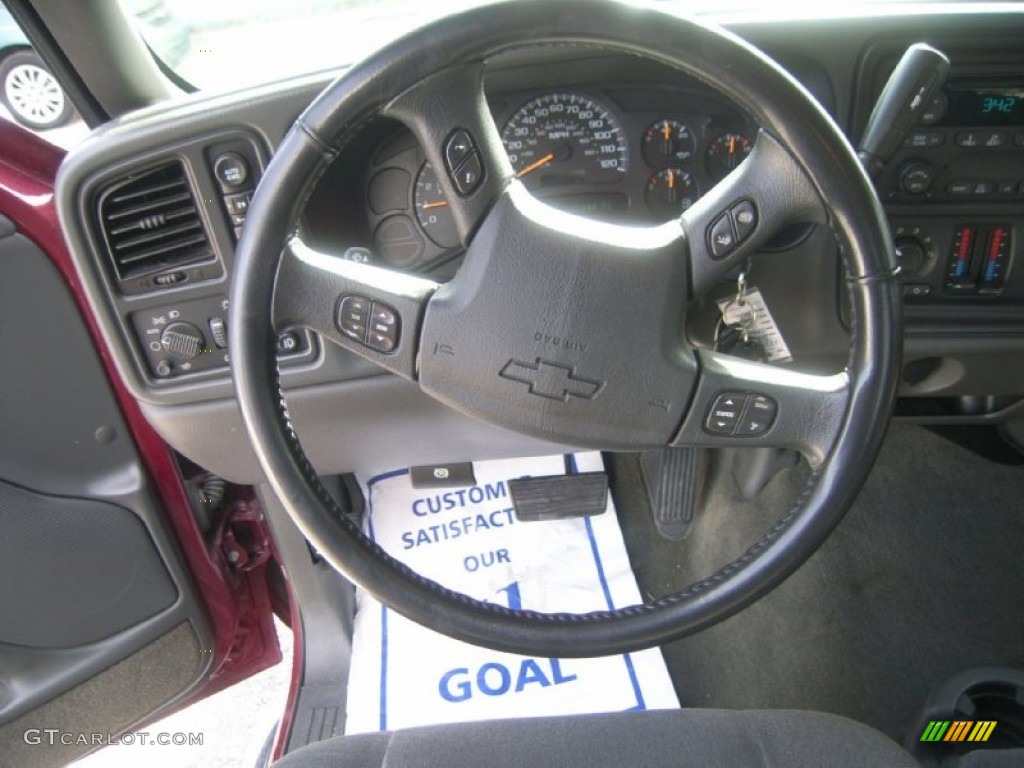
29, 93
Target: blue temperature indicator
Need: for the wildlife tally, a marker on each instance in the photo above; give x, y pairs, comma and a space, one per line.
998, 104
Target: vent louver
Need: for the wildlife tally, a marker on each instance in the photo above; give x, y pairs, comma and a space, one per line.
151, 222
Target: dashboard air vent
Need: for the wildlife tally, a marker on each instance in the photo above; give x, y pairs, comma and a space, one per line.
151, 222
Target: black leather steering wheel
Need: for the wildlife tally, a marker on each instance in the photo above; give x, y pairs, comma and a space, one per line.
635, 384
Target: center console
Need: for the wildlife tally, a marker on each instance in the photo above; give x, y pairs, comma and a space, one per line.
955, 191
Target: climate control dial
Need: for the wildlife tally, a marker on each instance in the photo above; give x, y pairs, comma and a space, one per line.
911, 255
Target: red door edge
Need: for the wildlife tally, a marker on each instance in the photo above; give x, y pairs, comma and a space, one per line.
245, 641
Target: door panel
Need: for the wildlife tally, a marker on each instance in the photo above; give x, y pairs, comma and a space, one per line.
99, 621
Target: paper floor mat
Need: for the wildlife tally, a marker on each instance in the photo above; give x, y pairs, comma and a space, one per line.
468, 539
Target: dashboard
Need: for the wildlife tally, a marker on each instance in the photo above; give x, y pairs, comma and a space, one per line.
611, 137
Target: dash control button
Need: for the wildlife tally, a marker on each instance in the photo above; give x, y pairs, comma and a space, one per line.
725, 413
353, 317
758, 416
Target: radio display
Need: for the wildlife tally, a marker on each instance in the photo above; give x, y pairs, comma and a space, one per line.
985, 106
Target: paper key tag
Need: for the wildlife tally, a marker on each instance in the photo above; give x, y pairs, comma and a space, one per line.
759, 323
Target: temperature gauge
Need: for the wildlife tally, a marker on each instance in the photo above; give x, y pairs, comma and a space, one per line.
670, 192
726, 152
668, 142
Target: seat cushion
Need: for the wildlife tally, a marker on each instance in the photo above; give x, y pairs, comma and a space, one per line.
992, 758
688, 737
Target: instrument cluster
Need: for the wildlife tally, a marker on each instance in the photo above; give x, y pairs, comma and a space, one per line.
630, 155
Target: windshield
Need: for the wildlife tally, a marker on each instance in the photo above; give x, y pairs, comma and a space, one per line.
224, 44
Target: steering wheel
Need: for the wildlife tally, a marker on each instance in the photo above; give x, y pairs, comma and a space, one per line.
634, 383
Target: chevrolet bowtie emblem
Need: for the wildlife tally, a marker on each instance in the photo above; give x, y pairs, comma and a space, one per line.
554, 381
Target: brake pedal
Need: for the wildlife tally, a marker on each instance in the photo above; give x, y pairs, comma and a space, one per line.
559, 497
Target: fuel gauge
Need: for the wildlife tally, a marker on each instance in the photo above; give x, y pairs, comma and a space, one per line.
668, 142
671, 191
432, 209
726, 152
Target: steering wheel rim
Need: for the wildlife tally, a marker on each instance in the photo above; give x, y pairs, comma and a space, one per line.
811, 146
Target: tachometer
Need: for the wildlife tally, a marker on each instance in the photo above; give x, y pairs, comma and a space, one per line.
563, 139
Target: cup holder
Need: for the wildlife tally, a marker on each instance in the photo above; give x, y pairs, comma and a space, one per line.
986, 694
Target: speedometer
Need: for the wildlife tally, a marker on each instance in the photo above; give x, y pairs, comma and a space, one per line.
564, 139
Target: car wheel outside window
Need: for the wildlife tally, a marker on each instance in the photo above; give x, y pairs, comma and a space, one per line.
32, 94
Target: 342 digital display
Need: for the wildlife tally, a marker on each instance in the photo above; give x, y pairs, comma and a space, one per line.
983, 106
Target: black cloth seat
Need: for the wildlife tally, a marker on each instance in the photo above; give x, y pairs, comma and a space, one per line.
687, 737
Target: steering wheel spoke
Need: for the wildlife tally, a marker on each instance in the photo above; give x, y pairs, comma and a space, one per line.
768, 191
740, 403
449, 115
371, 311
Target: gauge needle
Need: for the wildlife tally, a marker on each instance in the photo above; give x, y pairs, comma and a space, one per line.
671, 180
666, 131
732, 145
534, 166
438, 204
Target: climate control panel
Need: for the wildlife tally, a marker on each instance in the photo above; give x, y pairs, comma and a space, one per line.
943, 258
192, 337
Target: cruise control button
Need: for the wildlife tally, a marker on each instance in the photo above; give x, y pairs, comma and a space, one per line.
724, 413
468, 176
744, 218
458, 147
758, 416
721, 238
